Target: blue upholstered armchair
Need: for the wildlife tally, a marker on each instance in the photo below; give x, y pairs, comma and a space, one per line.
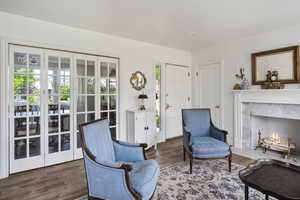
201, 139
115, 170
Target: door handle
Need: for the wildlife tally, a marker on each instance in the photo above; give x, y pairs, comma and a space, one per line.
217, 106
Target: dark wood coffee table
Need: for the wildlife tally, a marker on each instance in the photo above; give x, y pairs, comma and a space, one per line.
273, 178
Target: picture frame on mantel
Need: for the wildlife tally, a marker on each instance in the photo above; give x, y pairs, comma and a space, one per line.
285, 61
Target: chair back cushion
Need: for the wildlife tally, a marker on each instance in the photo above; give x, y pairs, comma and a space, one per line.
196, 121
98, 140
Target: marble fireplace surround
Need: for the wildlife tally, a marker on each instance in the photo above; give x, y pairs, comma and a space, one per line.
283, 104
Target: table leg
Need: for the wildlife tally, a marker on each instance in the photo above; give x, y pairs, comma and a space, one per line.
246, 192
267, 197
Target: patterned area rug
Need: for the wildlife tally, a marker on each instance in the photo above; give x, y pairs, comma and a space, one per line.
210, 180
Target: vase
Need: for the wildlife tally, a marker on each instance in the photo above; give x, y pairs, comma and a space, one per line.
245, 85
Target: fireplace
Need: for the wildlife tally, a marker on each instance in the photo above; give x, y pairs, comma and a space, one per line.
273, 113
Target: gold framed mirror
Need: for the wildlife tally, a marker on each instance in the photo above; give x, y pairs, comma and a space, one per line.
138, 80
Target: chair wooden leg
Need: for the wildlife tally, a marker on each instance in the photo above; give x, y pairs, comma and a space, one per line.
183, 154
191, 164
229, 163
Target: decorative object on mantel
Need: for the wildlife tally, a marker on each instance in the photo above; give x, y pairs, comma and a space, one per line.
275, 143
282, 63
237, 86
138, 80
245, 85
272, 81
142, 98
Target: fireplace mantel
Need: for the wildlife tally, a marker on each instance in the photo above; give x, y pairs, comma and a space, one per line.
276, 96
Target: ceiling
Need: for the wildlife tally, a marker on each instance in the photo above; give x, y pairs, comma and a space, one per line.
182, 24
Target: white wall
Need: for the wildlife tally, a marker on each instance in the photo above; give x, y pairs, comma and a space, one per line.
236, 53
134, 55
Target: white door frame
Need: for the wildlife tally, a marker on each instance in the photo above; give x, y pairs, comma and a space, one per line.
221, 92
4, 134
163, 95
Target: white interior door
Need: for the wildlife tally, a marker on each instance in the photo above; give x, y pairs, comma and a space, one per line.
208, 86
177, 97
26, 112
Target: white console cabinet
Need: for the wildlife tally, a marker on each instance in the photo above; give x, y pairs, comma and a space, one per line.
141, 127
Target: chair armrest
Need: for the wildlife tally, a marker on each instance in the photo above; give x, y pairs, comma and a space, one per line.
187, 140
115, 165
218, 134
126, 152
103, 178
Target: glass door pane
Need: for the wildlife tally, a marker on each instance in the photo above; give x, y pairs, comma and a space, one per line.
26, 136
85, 95
59, 108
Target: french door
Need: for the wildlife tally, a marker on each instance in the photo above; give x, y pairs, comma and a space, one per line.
58, 108
96, 86
85, 100
26, 119
51, 94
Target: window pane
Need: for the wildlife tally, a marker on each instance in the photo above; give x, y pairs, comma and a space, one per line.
80, 67
81, 86
65, 123
53, 124
81, 104
112, 70
34, 146
65, 142
20, 127
91, 86
80, 120
34, 84
53, 104
112, 118
104, 85
20, 149
65, 66
53, 68
34, 63
65, 85
104, 115
64, 104
53, 84
104, 69
34, 105
34, 125
112, 86
20, 60
53, 144
112, 102
78, 140
90, 117
113, 133
91, 68
91, 103
20, 105
20, 83
104, 103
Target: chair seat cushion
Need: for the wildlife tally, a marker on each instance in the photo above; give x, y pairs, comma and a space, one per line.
209, 147
143, 177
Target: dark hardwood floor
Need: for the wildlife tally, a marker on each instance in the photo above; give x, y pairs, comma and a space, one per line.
67, 180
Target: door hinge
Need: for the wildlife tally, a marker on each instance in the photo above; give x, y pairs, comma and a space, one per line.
189, 74
197, 73
189, 98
